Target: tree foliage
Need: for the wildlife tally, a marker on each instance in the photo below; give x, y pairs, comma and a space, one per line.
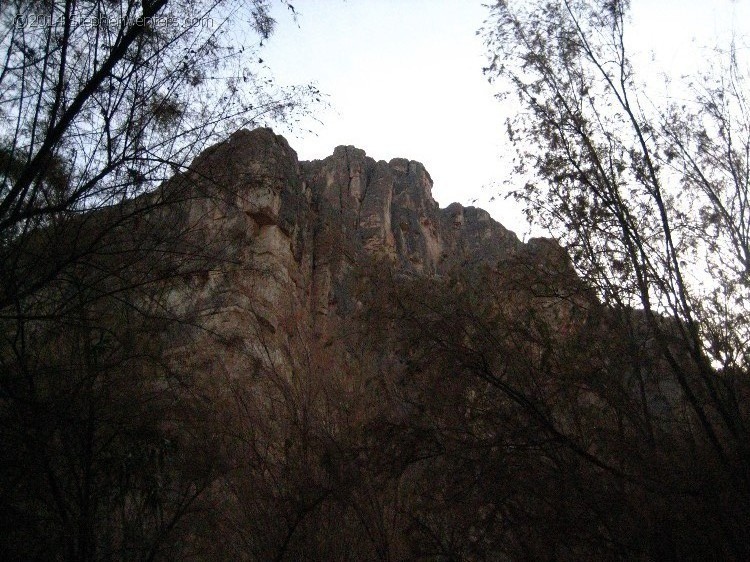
101, 101
650, 200
107, 453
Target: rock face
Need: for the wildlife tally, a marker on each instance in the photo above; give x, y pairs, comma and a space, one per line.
312, 347
388, 208
293, 234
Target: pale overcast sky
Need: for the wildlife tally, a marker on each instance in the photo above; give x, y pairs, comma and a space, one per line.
405, 80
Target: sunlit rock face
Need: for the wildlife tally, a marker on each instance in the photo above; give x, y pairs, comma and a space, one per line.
293, 235
388, 208
245, 203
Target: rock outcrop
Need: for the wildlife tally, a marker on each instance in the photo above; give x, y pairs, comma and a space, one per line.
294, 233
267, 359
388, 207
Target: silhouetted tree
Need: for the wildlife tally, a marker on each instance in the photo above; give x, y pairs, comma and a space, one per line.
650, 203
108, 448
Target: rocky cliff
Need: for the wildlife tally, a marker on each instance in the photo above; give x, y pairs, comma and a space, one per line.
267, 359
295, 233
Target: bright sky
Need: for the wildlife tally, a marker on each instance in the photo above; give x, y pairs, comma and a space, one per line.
405, 80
